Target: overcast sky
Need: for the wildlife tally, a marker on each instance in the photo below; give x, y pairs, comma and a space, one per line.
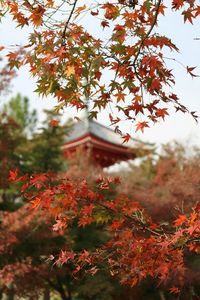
178, 126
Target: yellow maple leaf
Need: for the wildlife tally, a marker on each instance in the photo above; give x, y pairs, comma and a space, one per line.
70, 70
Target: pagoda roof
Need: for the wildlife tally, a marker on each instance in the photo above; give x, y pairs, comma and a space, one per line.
87, 126
104, 140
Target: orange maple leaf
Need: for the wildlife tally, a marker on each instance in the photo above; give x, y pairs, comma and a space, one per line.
37, 15
54, 123
141, 126
181, 219
36, 202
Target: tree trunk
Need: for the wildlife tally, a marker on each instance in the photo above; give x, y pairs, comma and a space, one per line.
63, 296
162, 295
46, 295
10, 295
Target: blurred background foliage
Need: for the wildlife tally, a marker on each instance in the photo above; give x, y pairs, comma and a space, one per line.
165, 183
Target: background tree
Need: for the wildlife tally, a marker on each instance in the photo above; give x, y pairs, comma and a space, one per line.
19, 109
10, 139
43, 151
26, 244
139, 244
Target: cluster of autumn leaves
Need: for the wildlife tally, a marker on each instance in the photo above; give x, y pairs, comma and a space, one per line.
137, 247
146, 228
71, 61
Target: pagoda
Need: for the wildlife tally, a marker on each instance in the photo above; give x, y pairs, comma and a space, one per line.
105, 145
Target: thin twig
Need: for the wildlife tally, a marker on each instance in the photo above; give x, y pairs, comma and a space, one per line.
149, 31
68, 20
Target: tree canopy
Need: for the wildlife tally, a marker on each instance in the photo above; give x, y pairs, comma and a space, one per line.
119, 62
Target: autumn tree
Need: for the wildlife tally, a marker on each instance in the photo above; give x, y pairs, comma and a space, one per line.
168, 185
28, 247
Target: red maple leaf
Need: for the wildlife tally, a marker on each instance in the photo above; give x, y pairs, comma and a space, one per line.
174, 290
126, 138
188, 16
161, 112
190, 69
176, 4
141, 126
105, 24
13, 175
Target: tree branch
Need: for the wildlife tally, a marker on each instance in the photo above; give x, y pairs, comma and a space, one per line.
68, 20
149, 31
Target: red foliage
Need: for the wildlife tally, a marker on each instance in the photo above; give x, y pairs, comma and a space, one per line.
69, 61
137, 247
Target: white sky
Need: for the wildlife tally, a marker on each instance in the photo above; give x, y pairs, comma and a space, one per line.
176, 127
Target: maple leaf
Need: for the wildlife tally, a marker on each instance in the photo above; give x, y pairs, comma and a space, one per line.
85, 220
120, 96
24, 187
193, 217
134, 281
105, 24
79, 10
188, 16
192, 229
60, 225
161, 9
113, 120
180, 220
116, 224
13, 175
155, 85
36, 202
137, 107
197, 11
189, 71
93, 115
87, 210
97, 75
126, 138
177, 4
65, 256
174, 290
161, 112
70, 70
111, 11
12, 55
95, 13
37, 15
194, 115
141, 126
93, 270
54, 123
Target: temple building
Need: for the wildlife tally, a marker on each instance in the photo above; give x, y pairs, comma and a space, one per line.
105, 145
